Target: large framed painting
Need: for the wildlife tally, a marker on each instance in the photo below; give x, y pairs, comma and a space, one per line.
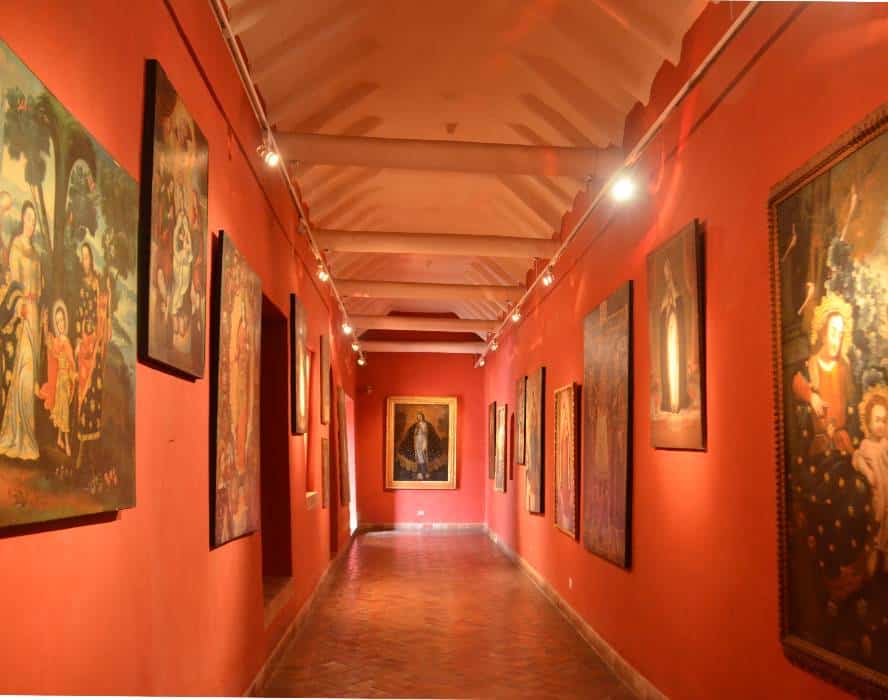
175, 157
491, 439
829, 264
342, 431
68, 320
325, 472
499, 477
566, 463
534, 490
237, 313
677, 357
607, 427
420, 442
300, 368
325, 380
520, 419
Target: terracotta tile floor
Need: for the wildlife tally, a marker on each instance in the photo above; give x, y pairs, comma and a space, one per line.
437, 616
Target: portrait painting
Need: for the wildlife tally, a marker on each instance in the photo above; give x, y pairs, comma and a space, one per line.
300, 368
675, 330
420, 445
566, 466
534, 491
342, 431
607, 427
237, 312
325, 380
829, 262
499, 478
68, 311
175, 167
520, 419
491, 439
325, 472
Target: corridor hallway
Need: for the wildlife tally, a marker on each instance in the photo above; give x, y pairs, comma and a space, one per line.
437, 616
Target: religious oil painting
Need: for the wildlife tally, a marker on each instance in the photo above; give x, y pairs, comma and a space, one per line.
69, 217
607, 427
499, 477
566, 463
420, 443
829, 261
491, 439
300, 368
520, 420
675, 312
325, 472
325, 380
342, 430
534, 491
238, 314
174, 225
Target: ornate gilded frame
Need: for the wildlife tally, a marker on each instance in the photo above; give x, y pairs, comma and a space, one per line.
452, 406
857, 678
571, 390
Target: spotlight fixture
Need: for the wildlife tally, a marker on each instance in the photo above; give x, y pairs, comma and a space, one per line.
347, 328
494, 346
362, 361
481, 362
623, 189
548, 276
267, 153
516, 315
323, 275
355, 346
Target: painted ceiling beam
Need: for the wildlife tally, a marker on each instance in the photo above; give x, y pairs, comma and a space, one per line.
422, 323
422, 290
455, 348
449, 156
434, 244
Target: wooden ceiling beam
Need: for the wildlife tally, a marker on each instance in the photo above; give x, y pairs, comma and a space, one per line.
422, 323
458, 348
434, 244
423, 290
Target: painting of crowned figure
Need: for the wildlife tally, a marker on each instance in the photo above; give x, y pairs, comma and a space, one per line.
174, 219
236, 357
830, 265
420, 442
68, 241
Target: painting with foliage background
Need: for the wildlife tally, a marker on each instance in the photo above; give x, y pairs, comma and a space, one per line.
68, 292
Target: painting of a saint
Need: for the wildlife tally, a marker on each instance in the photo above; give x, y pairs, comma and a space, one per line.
677, 395
342, 429
175, 175
607, 427
534, 490
300, 368
420, 442
520, 420
829, 254
325, 380
68, 319
238, 310
499, 480
566, 503
491, 440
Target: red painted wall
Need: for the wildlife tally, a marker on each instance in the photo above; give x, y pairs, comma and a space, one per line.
408, 374
698, 612
139, 604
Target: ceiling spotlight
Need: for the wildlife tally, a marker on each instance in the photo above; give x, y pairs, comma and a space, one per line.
494, 346
323, 275
355, 346
548, 276
623, 189
347, 328
481, 362
362, 361
267, 153
516, 315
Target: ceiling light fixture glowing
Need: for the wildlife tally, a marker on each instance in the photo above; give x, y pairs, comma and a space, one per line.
347, 328
362, 361
548, 277
623, 189
323, 275
355, 346
494, 346
481, 362
516, 315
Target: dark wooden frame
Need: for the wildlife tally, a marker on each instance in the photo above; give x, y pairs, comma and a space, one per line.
857, 678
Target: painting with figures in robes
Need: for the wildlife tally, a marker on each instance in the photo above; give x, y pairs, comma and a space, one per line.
535, 482
566, 496
520, 420
829, 262
300, 368
68, 311
237, 313
607, 427
675, 329
420, 445
499, 477
175, 171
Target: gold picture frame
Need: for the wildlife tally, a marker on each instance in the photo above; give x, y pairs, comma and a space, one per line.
421, 458
567, 512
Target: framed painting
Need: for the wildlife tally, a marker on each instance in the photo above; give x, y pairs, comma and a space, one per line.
325, 472
520, 420
829, 237
325, 380
300, 368
675, 330
175, 175
534, 492
69, 218
499, 478
607, 427
491, 439
566, 463
342, 431
237, 313
420, 442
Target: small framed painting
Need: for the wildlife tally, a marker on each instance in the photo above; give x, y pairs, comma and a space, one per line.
536, 452
420, 443
491, 439
520, 420
566, 463
300, 368
499, 477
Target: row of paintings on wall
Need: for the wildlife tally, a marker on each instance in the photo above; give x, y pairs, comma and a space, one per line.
87, 284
